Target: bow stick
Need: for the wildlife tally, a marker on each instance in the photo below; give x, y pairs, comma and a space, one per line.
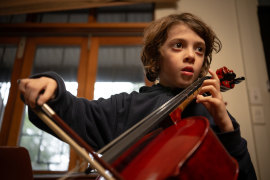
96, 163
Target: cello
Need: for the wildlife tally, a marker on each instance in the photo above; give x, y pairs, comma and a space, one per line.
175, 151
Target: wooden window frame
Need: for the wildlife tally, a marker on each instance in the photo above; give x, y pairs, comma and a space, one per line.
7, 124
12, 122
90, 36
86, 78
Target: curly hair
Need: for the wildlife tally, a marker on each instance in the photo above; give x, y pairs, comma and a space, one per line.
156, 34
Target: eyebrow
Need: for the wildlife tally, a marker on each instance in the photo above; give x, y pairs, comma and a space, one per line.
182, 39
201, 44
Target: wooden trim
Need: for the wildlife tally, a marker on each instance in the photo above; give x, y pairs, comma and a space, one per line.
9, 40
57, 40
38, 6
49, 172
16, 119
121, 40
82, 68
92, 68
6, 123
63, 29
92, 17
74, 158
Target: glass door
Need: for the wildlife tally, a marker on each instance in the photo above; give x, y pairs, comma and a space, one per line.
46, 151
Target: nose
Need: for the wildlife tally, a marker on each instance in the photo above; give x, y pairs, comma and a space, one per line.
190, 55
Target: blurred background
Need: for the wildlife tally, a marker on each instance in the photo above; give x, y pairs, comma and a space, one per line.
95, 46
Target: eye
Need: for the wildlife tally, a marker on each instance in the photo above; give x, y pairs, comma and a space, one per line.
178, 45
200, 50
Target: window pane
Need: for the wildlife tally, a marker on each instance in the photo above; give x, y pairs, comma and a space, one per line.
7, 57
128, 13
63, 60
13, 18
119, 70
76, 16
46, 151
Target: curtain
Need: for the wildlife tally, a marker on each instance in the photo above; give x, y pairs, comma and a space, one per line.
13, 7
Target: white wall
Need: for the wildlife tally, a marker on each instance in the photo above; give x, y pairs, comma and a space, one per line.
236, 24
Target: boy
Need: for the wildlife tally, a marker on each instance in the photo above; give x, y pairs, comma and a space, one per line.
177, 50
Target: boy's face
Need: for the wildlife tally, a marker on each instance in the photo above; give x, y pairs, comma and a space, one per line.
182, 57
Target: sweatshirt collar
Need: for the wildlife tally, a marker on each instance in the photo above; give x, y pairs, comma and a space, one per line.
160, 88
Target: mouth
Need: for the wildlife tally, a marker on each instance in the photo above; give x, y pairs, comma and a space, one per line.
188, 70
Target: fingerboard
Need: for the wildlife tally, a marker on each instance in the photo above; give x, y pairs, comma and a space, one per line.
119, 145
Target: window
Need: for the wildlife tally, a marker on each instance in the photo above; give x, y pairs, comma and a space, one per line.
74, 60
76, 16
46, 151
119, 70
12, 19
128, 13
7, 57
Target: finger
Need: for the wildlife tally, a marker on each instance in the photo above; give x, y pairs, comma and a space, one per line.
207, 99
213, 74
49, 92
210, 89
32, 98
31, 91
200, 99
26, 95
212, 102
22, 84
212, 82
207, 105
46, 95
21, 89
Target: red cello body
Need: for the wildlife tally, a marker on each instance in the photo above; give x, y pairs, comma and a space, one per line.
188, 150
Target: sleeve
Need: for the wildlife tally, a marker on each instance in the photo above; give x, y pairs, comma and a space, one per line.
94, 121
237, 147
